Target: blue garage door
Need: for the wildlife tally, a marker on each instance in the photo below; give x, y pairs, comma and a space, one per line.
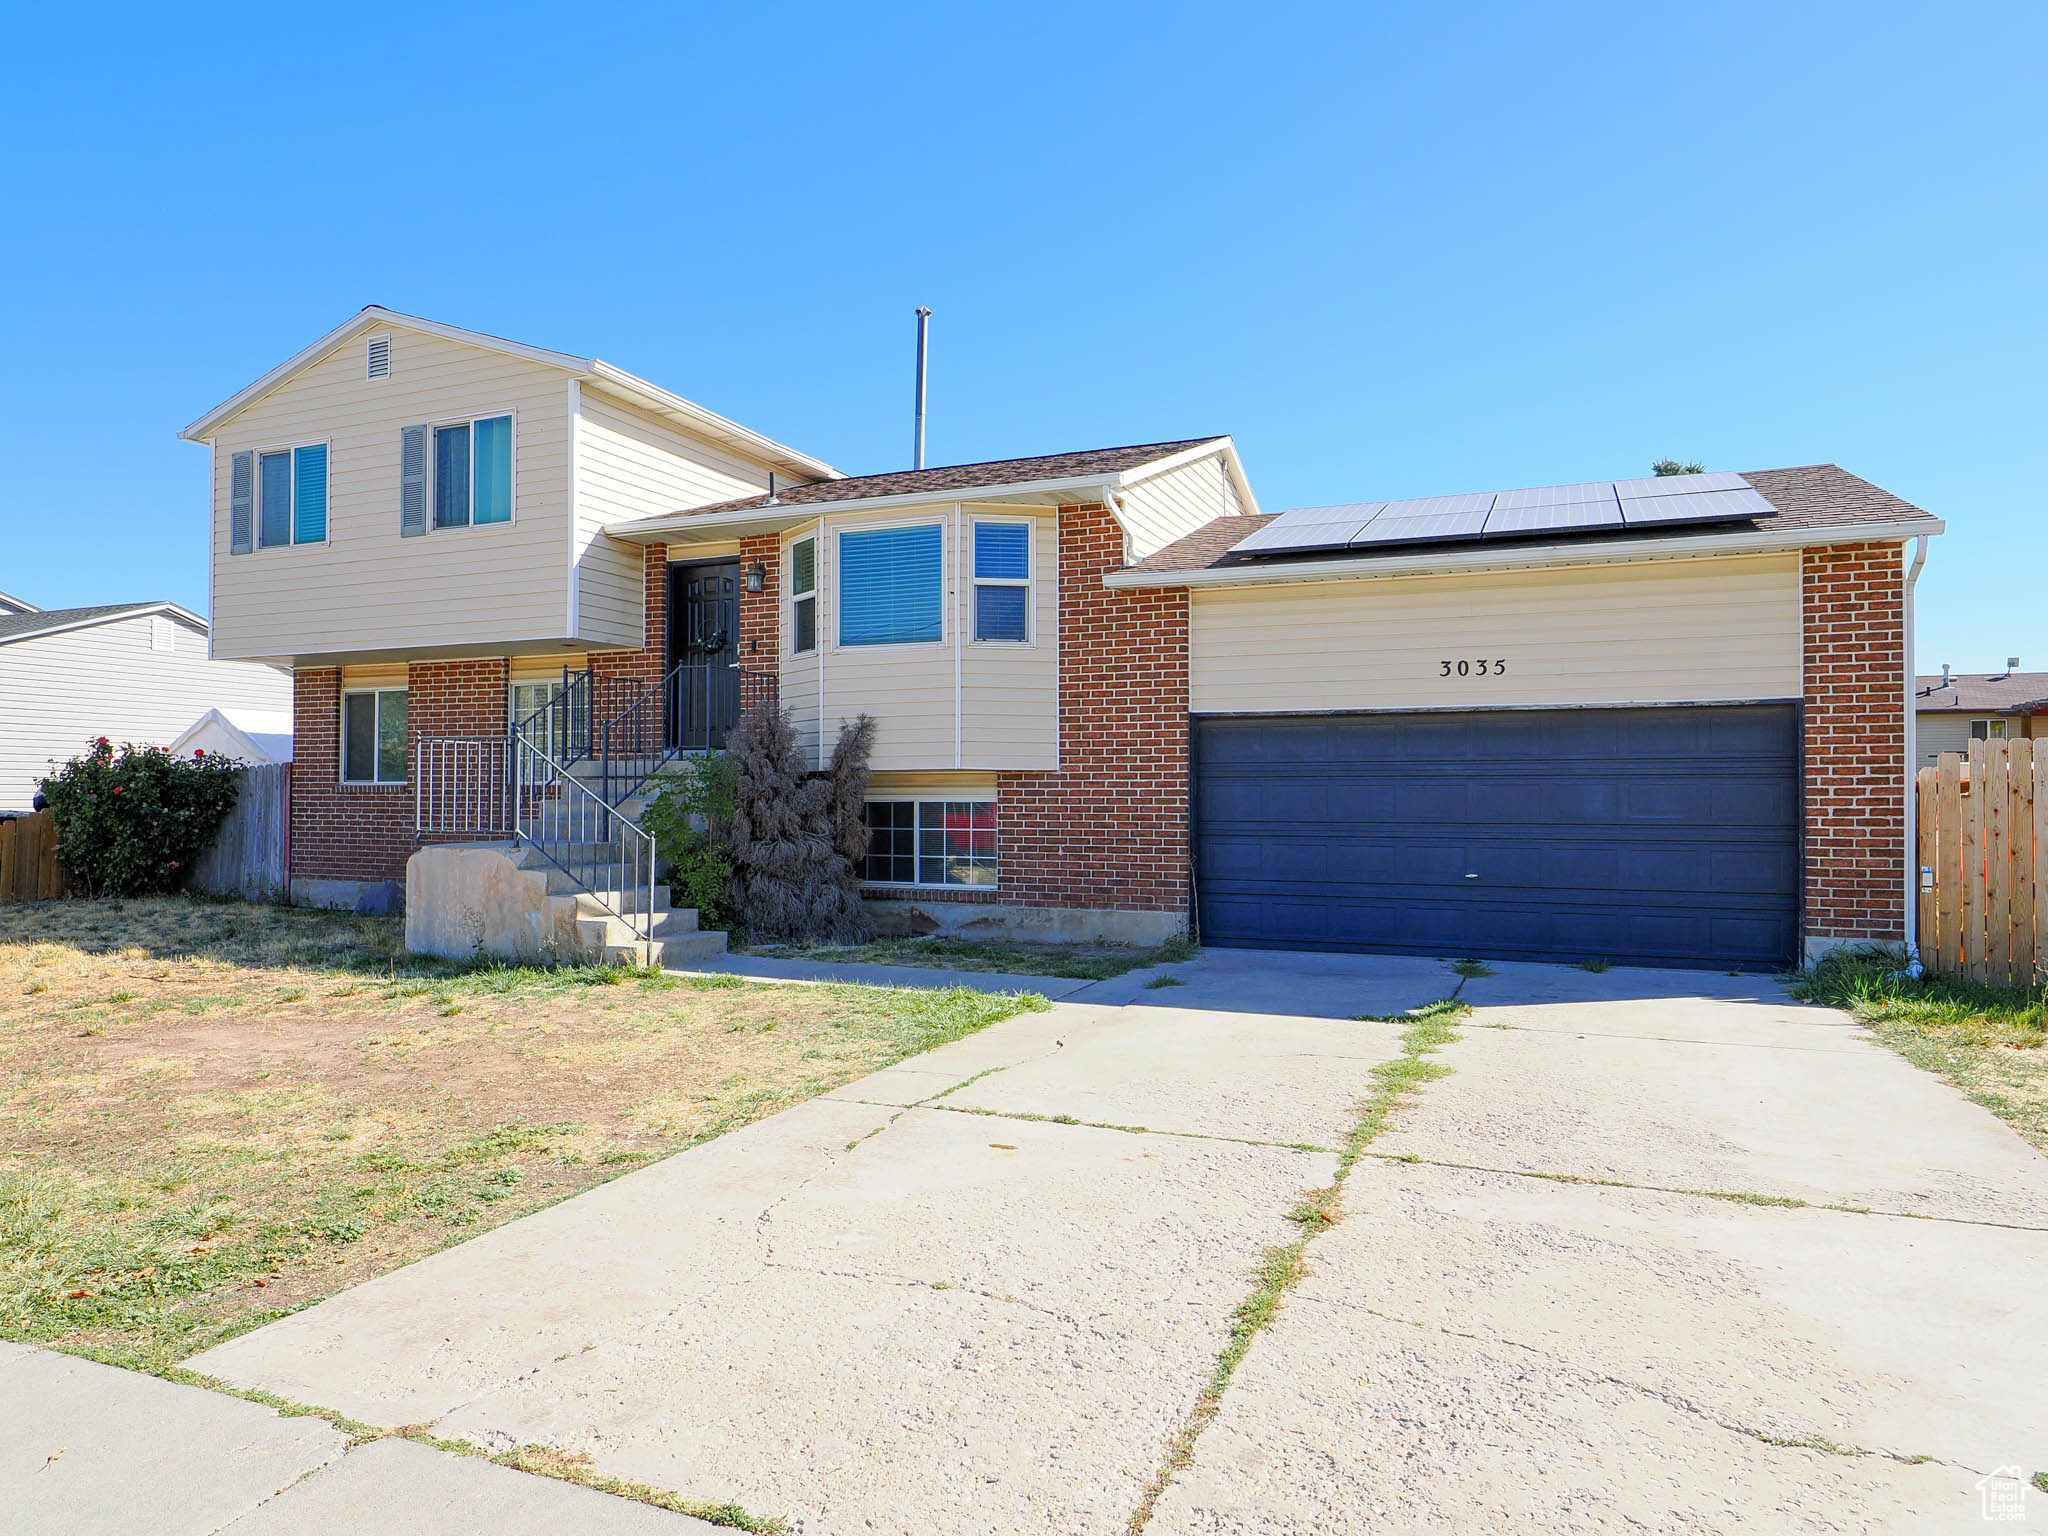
1653, 836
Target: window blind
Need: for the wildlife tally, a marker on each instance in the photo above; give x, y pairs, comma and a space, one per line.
494, 470
309, 494
273, 499
891, 586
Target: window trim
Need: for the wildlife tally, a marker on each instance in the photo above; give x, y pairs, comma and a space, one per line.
1029, 582
916, 882
341, 737
883, 647
291, 452
797, 599
437, 425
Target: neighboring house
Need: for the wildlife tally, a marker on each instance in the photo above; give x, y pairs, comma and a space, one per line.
1651, 721
253, 736
1957, 708
129, 671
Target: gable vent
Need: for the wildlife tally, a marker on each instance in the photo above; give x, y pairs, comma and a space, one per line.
380, 357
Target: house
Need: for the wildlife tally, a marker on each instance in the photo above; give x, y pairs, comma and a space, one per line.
133, 672
253, 736
1956, 708
1643, 721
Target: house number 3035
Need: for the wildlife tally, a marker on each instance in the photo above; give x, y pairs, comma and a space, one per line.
1479, 667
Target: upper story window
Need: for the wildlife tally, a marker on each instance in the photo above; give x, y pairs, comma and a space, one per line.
803, 595
892, 585
373, 736
277, 496
1002, 581
472, 472
1987, 730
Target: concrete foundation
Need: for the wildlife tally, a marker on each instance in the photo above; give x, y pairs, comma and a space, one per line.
1818, 947
347, 895
897, 918
471, 899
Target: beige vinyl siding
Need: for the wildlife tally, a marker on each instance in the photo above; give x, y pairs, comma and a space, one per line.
367, 589
1006, 694
1950, 732
1669, 632
629, 464
65, 689
1173, 505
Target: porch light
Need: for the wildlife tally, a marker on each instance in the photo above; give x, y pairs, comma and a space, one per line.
757, 577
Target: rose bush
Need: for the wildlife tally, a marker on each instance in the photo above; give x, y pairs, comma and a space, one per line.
133, 822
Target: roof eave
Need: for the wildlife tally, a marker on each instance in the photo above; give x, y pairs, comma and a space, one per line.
663, 528
367, 320
710, 424
1527, 557
138, 611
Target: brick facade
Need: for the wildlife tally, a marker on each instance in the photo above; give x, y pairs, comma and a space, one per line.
760, 612
1855, 728
339, 831
1109, 829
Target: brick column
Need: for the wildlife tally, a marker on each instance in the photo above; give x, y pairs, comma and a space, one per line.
1855, 640
1109, 829
761, 612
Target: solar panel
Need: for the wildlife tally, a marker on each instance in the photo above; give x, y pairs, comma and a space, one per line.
1427, 526
1694, 507
1681, 485
1565, 517
1309, 528
1554, 496
1589, 507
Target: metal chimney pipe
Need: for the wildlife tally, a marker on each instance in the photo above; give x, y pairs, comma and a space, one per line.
924, 342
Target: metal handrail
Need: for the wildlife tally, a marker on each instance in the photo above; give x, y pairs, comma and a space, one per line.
580, 833
459, 785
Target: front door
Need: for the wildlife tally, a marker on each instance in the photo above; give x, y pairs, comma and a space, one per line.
704, 642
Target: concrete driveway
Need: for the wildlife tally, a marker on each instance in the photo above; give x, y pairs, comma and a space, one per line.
1665, 1251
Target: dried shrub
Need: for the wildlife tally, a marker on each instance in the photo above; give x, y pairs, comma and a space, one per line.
794, 869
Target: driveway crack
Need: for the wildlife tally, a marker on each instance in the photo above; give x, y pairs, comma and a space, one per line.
1665, 1395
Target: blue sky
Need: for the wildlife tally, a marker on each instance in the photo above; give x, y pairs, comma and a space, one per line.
1394, 251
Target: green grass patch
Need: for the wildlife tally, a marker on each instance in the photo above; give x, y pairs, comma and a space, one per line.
1471, 969
165, 1187
1281, 1268
1986, 1040
1073, 962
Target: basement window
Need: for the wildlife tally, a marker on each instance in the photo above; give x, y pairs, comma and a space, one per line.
931, 842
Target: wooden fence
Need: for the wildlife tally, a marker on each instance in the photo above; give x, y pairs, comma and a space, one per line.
29, 870
247, 858
1984, 864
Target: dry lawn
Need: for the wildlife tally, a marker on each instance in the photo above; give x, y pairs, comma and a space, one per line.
217, 1113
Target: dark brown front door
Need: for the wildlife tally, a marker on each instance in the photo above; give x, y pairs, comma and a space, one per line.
704, 643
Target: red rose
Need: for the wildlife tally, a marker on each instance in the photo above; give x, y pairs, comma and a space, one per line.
199, 751
117, 789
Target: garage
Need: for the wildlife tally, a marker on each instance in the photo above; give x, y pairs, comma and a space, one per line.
1661, 836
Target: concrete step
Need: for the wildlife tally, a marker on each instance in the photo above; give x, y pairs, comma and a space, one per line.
691, 948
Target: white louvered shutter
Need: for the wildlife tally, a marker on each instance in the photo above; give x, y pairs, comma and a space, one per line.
377, 362
242, 504
412, 481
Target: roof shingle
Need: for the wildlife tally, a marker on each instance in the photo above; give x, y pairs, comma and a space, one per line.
989, 475
1983, 693
1810, 496
15, 626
